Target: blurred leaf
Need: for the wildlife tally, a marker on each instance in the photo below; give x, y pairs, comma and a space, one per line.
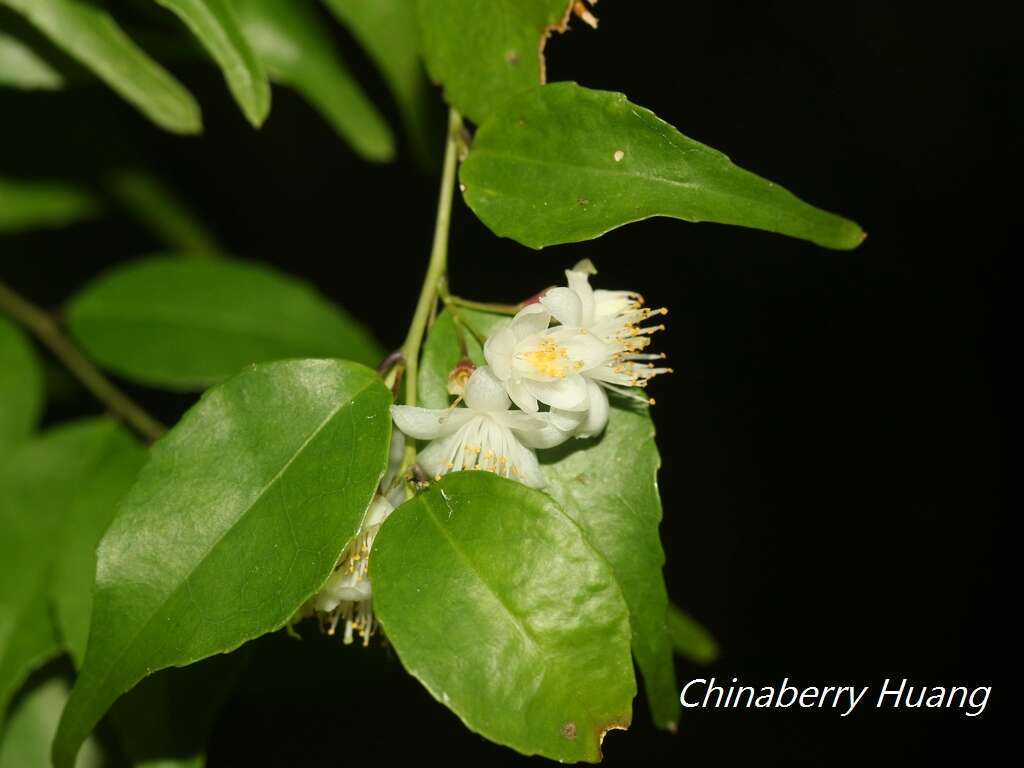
485, 52
22, 67
494, 600
26, 205
26, 741
214, 23
563, 163
297, 52
188, 323
388, 31
89, 34
115, 462
689, 638
609, 487
21, 387
41, 487
155, 205
238, 517
165, 721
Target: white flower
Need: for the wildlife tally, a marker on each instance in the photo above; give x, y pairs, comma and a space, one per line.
347, 594
614, 317
538, 364
484, 435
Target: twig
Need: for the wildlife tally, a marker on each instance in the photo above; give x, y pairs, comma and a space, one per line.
45, 329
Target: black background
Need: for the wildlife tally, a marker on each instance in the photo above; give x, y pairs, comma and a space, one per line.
830, 437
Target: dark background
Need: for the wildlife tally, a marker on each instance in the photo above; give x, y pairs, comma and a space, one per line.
830, 437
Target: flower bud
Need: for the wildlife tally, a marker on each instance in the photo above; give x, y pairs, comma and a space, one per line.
459, 376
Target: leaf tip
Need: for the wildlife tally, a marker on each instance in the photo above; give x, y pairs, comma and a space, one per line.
849, 236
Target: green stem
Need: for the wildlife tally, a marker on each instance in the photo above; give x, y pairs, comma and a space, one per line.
485, 306
45, 329
435, 273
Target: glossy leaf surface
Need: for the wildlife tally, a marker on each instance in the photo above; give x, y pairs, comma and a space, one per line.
238, 517
494, 600
609, 487
188, 323
562, 163
482, 53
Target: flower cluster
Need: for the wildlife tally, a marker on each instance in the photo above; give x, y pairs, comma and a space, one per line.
556, 360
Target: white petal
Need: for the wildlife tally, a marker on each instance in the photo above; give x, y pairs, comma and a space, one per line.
597, 413
569, 394
395, 455
567, 421
609, 303
580, 285
521, 396
484, 392
428, 423
565, 305
342, 586
434, 458
525, 461
585, 350
537, 430
379, 509
531, 319
499, 350
397, 495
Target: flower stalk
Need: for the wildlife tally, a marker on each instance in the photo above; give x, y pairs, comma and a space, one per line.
436, 271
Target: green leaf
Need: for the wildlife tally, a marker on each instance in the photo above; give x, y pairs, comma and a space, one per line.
441, 351
214, 23
288, 38
689, 638
614, 500
22, 67
89, 34
238, 517
43, 486
609, 486
485, 52
26, 205
165, 721
188, 323
563, 163
21, 387
388, 31
494, 600
157, 207
116, 460
33, 722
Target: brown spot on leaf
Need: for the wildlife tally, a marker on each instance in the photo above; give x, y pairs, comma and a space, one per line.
512, 56
584, 202
569, 730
